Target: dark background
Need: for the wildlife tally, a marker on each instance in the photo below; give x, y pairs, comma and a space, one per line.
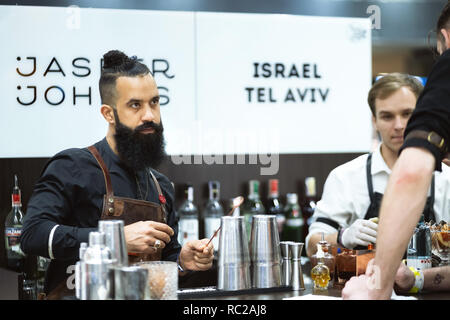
400, 45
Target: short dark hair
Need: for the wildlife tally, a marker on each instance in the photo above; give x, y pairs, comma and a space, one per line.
443, 22
117, 64
390, 83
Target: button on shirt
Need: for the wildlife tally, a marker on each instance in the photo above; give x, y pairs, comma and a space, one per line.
345, 196
67, 202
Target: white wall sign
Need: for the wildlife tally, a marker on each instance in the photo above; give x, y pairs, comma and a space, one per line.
229, 83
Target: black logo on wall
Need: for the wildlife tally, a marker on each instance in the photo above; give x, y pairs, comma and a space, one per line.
55, 95
291, 73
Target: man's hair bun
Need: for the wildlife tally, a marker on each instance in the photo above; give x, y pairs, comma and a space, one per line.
114, 59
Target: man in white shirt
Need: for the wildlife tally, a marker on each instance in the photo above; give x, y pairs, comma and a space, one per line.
353, 191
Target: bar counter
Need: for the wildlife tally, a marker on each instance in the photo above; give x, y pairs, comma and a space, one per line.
209, 293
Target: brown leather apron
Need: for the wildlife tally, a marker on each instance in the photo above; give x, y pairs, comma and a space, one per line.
131, 210
126, 209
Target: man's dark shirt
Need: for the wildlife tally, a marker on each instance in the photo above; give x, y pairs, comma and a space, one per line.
70, 194
432, 112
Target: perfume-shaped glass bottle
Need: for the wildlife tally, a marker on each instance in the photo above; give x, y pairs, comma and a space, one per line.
320, 274
328, 259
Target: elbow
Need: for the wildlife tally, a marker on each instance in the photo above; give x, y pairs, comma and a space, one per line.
412, 172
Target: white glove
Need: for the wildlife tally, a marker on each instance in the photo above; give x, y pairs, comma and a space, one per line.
361, 232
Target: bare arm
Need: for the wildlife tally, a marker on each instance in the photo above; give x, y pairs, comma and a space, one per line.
435, 279
401, 207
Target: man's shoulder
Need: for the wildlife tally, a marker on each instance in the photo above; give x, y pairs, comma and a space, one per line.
73, 154
71, 159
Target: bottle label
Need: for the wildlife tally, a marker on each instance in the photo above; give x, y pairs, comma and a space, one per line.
295, 213
12, 235
211, 225
294, 222
187, 230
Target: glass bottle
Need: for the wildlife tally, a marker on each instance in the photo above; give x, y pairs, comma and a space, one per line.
310, 202
252, 205
274, 204
15, 258
419, 248
213, 212
293, 227
320, 274
328, 259
188, 218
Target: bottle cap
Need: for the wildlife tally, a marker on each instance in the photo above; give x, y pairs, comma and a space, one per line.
292, 198
253, 188
310, 184
320, 253
273, 187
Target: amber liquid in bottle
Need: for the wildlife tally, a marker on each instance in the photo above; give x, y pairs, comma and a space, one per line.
320, 274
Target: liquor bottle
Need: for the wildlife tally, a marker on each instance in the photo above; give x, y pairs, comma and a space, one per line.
419, 248
274, 205
188, 222
293, 227
42, 265
13, 230
309, 203
320, 274
328, 259
213, 212
252, 206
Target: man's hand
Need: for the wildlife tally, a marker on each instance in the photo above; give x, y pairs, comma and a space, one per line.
404, 279
142, 236
356, 289
196, 256
361, 232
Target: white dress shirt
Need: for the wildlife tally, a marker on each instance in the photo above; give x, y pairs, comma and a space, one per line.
345, 195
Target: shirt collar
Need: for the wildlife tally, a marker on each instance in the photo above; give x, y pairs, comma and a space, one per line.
378, 163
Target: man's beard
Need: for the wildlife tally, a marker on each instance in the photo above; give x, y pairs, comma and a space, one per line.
138, 150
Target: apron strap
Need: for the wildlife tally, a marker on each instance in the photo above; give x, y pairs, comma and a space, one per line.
369, 177
109, 189
429, 206
162, 199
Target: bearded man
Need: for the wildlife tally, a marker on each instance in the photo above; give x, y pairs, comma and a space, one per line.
112, 179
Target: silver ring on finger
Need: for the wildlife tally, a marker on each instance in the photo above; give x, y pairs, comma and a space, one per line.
157, 244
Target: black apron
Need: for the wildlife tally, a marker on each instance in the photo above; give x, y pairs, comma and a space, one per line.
375, 197
126, 209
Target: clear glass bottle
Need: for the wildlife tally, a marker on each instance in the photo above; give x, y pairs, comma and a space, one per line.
309, 203
320, 274
42, 265
252, 205
274, 206
188, 228
15, 258
213, 212
328, 259
293, 227
419, 248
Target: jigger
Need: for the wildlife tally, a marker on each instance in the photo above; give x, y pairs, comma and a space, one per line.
297, 273
286, 263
